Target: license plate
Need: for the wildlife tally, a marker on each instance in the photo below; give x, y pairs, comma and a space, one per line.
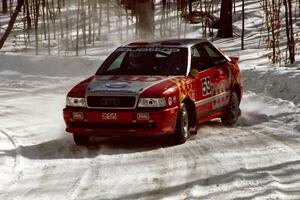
109, 116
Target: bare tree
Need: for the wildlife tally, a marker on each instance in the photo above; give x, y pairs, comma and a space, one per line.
36, 25
28, 18
11, 22
289, 30
145, 18
77, 27
4, 7
243, 23
225, 28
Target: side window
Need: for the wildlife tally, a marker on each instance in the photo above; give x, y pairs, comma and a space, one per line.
195, 53
211, 53
214, 56
199, 58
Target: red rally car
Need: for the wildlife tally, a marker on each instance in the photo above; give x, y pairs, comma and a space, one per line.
156, 88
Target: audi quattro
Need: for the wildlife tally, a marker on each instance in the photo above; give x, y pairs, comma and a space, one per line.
156, 88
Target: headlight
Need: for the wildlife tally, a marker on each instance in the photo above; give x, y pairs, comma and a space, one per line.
152, 102
76, 102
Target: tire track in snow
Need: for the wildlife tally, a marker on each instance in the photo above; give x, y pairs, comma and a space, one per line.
246, 177
15, 149
247, 183
292, 141
85, 181
10, 167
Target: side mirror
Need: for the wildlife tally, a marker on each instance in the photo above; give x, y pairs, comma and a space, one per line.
194, 73
234, 59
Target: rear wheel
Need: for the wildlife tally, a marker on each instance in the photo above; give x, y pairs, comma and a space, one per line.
81, 139
233, 111
182, 132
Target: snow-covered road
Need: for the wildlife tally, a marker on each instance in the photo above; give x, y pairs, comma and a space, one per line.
257, 159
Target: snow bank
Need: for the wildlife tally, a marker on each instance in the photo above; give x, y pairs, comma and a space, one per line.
274, 82
12, 64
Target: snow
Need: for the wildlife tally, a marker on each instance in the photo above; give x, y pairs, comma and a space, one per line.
259, 158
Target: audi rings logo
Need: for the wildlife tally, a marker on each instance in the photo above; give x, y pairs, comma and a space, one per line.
110, 102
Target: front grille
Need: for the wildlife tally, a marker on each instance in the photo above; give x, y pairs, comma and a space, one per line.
111, 102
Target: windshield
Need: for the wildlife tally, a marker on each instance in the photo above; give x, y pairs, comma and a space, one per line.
146, 61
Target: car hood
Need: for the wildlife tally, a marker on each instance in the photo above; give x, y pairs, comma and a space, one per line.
125, 85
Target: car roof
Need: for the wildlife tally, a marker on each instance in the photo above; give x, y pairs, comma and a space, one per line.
169, 43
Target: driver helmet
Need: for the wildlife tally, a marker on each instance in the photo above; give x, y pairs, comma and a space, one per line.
136, 59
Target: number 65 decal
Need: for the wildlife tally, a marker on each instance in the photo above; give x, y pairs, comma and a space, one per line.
206, 86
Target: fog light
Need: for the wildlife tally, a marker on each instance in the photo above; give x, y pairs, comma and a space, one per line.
143, 116
78, 116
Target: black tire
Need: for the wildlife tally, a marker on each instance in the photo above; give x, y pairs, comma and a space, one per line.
81, 139
233, 111
182, 132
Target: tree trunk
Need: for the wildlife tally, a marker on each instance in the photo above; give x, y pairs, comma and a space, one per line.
83, 18
90, 22
36, 23
190, 9
77, 27
274, 59
287, 26
53, 17
225, 29
99, 19
28, 18
4, 6
44, 19
145, 18
107, 15
60, 20
48, 27
11, 22
11, 7
234, 6
292, 41
243, 23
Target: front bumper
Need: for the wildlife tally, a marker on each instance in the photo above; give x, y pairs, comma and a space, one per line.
124, 122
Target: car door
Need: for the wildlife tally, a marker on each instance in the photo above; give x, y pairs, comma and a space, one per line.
220, 73
211, 88
202, 82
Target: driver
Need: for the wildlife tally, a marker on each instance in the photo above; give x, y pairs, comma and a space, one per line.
136, 59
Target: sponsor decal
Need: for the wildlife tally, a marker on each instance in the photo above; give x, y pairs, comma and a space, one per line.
206, 86
235, 72
149, 49
183, 87
221, 91
109, 116
117, 85
143, 116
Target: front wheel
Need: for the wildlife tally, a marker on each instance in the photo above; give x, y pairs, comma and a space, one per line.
81, 139
233, 111
182, 132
